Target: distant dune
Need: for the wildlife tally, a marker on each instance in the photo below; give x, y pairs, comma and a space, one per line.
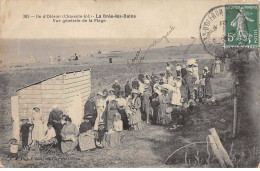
18, 51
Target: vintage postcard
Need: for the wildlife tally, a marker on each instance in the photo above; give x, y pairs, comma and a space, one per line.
129, 84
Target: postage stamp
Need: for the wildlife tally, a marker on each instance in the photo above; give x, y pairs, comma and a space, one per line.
241, 25
228, 26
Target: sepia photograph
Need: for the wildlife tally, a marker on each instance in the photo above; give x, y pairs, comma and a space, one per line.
129, 84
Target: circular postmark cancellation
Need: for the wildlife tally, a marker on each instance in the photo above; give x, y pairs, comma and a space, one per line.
212, 30
230, 27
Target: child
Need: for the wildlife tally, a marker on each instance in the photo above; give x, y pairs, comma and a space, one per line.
25, 132
113, 135
100, 134
13, 149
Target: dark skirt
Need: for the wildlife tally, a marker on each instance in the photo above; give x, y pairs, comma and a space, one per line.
124, 118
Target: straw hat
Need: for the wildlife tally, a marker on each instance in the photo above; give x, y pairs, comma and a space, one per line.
134, 91
206, 68
164, 89
24, 118
189, 69
87, 117
146, 81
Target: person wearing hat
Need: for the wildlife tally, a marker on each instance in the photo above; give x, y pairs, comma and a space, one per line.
195, 69
135, 84
176, 94
117, 88
69, 134
167, 69
86, 124
55, 114
135, 111
37, 132
112, 137
163, 100
101, 106
50, 135
13, 150
183, 71
207, 76
87, 135
146, 106
55, 119
100, 133
128, 89
111, 95
24, 131
141, 84
217, 64
90, 108
105, 94
163, 79
190, 79
170, 79
112, 108
122, 103
178, 69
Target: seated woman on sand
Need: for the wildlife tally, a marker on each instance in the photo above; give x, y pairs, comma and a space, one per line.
112, 137
87, 135
50, 135
69, 135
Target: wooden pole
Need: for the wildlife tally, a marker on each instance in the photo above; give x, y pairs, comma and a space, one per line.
235, 119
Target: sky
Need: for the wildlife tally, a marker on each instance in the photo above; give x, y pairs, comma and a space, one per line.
153, 18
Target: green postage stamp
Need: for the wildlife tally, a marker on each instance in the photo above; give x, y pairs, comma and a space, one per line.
241, 27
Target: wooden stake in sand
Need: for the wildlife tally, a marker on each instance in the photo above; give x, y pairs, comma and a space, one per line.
218, 149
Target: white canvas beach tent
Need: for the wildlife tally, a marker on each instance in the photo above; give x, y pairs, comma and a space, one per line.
69, 91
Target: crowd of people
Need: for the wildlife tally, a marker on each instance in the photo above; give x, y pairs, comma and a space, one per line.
147, 98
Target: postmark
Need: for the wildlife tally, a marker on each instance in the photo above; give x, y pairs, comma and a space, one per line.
212, 33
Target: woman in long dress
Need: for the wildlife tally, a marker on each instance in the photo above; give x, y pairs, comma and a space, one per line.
217, 68
87, 135
207, 76
69, 134
176, 95
101, 106
38, 131
195, 69
163, 100
135, 108
112, 108
112, 137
